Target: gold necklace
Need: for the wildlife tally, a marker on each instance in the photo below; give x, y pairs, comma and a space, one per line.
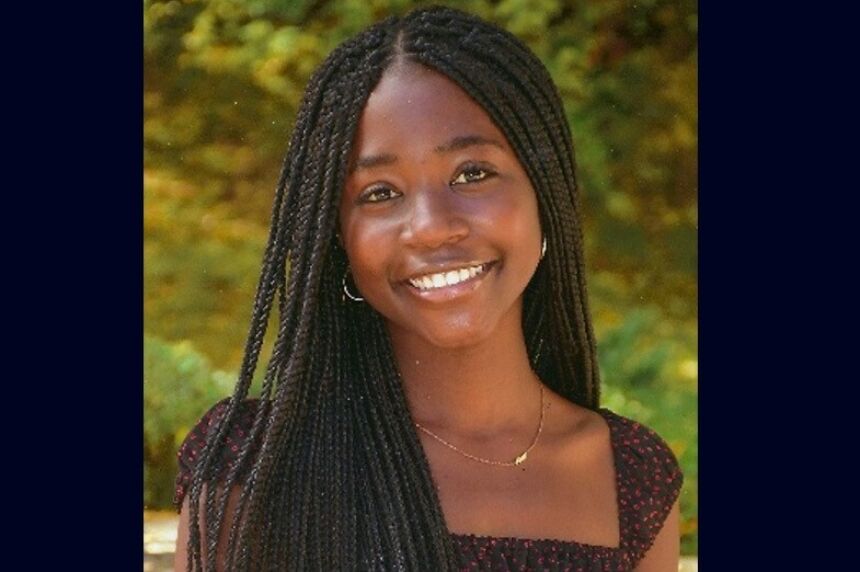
521, 458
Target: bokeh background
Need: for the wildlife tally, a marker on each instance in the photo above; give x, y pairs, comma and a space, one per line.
222, 82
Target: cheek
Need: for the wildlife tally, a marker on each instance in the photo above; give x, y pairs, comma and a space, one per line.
528, 218
514, 218
367, 245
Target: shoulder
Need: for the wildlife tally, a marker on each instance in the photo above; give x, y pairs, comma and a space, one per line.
192, 446
639, 446
637, 449
649, 479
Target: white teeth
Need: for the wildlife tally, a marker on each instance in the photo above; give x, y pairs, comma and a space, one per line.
442, 279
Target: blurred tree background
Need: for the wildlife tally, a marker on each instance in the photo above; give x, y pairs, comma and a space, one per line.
222, 82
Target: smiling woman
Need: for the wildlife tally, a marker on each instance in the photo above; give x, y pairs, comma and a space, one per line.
450, 196
432, 400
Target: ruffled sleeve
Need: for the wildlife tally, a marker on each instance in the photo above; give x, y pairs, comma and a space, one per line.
649, 482
192, 446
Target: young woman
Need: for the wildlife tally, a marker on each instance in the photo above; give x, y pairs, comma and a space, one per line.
431, 402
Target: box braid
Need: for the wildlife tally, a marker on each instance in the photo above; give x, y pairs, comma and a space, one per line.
338, 477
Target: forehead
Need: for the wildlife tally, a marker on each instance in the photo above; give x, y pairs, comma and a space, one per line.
413, 107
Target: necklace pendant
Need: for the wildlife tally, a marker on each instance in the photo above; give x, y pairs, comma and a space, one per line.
521, 459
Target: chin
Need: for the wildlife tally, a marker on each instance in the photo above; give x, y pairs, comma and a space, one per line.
457, 335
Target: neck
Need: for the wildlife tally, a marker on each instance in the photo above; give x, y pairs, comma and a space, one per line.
478, 390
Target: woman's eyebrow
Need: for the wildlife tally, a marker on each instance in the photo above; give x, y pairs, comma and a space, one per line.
371, 161
463, 141
455, 144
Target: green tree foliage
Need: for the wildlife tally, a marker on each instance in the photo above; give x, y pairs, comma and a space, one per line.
178, 385
222, 84
650, 374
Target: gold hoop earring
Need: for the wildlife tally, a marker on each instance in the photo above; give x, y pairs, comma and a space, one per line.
346, 291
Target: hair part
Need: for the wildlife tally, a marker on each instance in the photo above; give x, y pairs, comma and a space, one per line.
339, 479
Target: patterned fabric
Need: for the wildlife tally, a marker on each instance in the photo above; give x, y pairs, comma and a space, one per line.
196, 439
648, 481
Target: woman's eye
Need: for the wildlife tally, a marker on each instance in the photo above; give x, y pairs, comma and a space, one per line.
378, 195
471, 175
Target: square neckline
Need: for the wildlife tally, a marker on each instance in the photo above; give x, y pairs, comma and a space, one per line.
607, 416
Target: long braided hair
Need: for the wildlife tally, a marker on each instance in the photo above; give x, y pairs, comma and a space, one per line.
339, 479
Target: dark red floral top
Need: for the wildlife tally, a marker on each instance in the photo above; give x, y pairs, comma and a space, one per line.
648, 481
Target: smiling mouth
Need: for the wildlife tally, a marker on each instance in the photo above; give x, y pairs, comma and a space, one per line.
436, 281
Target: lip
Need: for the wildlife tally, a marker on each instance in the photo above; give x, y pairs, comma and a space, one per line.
443, 268
447, 293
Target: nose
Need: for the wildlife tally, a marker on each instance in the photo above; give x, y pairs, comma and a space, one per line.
434, 219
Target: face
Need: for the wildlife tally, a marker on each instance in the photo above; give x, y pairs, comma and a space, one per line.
438, 218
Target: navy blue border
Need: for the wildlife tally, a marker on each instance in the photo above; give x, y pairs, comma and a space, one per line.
74, 272
768, 470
